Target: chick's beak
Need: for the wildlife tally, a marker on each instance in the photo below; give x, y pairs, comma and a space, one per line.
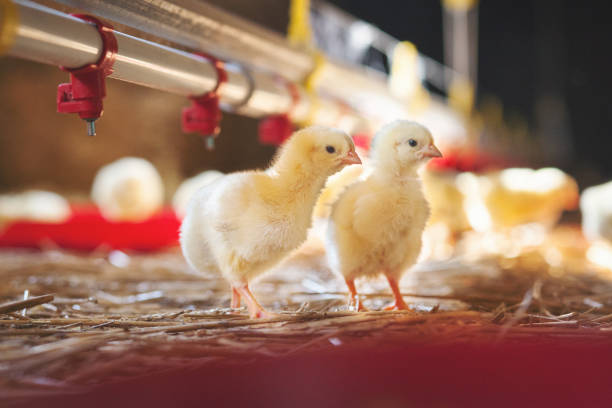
351, 158
432, 151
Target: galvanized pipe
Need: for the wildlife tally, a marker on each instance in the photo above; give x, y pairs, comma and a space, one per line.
48, 36
350, 98
202, 26
198, 25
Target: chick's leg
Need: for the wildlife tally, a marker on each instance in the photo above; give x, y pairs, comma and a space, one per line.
354, 301
399, 303
255, 309
235, 298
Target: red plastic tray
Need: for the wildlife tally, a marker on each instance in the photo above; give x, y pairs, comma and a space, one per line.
87, 230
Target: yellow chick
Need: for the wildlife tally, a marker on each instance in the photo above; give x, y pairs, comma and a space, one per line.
376, 224
519, 196
244, 223
129, 189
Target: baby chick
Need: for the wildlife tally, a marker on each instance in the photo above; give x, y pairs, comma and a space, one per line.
129, 189
376, 224
244, 223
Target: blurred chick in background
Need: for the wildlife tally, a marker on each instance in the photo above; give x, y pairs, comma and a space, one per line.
244, 223
448, 219
596, 208
445, 199
516, 196
33, 205
187, 189
129, 189
376, 224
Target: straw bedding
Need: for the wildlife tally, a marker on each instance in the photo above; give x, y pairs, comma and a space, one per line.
108, 315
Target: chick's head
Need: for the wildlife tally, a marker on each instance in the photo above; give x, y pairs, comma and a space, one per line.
403, 143
322, 148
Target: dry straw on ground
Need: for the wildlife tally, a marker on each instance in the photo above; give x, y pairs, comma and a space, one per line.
111, 316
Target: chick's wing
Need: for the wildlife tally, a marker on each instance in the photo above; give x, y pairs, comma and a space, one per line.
370, 213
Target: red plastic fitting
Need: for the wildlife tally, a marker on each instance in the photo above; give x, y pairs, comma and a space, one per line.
87, 87
275, 129
204, 114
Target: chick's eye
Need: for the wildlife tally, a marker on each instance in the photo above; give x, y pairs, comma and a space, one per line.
412, 142
330, 149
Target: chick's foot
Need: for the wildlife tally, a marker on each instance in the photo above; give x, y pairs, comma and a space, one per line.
397, 306
399, 303
256, 311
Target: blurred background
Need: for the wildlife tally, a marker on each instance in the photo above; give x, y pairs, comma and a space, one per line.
541, 67
542, 76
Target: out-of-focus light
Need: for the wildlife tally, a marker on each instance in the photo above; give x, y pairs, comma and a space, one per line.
478, 215
534, 181
473, 188
436, 242
553, 257
119, 259
335, 341
600, 254
360, 35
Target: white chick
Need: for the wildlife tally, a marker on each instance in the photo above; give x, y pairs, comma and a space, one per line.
129, 189
376, 224
189, 187
34, 205
596, 207
244, 223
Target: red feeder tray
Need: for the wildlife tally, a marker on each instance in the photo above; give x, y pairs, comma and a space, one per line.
87, 230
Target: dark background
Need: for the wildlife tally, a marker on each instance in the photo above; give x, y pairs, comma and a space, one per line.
549, 62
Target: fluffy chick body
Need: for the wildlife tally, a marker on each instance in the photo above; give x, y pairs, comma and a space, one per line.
188, 188
376, 224
377, 227
244, 223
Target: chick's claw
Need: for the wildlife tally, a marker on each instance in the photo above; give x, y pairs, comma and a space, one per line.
397, 306
356, 305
